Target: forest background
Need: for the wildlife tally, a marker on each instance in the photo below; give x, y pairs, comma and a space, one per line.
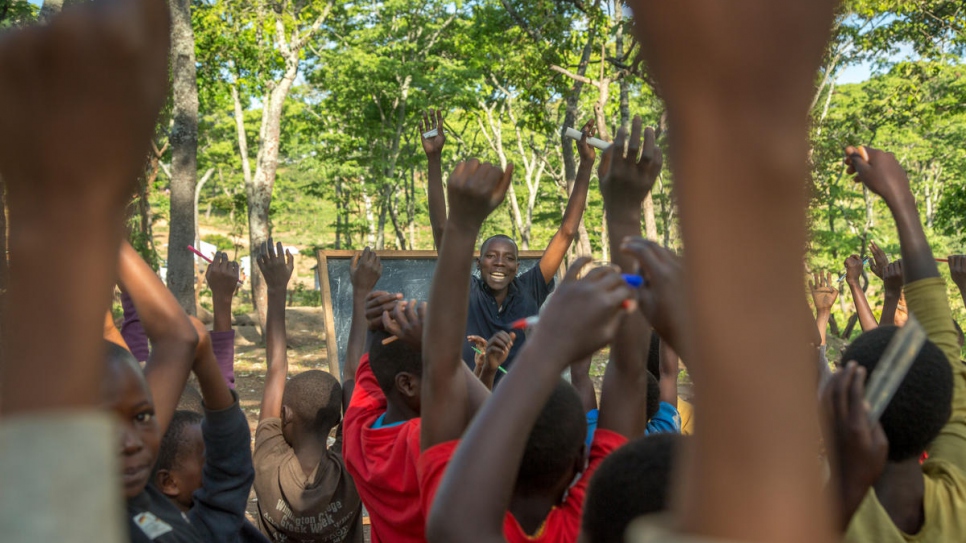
299, 119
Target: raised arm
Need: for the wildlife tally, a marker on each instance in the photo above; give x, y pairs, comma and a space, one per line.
489, 456
433, 120
277, 270
219, 504
172, 335
364, 272
669, 375
222, 277
739, 155
881, 172
495, 352
823, 295
892, 281
560, 243
853, 274
624, 185
580, 378
475, 190
84, 89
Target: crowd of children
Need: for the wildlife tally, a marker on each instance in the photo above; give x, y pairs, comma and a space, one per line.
449, 425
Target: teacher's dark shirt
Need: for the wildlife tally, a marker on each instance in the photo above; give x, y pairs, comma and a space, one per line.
526, 294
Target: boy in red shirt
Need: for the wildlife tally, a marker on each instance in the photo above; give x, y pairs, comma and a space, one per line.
526, 470
382, 425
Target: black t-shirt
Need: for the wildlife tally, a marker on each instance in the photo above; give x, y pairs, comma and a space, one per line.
526, 294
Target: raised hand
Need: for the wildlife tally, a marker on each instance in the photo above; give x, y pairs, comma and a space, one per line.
365, 270
892, 278
625, 180
599, 299
276, 267
479, 353
475, 190
377, 303
406, 322
957, 270
661, 298
586, 150
853, 269
697, 53
222, 276
498, 348
880, 171
859, 449
879, 260
87, 89
433, 119
823, 293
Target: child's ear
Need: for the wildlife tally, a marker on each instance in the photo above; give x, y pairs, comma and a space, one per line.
407, 384
166, 483
287, 415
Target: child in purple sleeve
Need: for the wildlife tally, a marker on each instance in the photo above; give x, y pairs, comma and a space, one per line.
132, 331
222, 277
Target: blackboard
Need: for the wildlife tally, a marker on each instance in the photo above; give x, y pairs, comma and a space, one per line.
408, 272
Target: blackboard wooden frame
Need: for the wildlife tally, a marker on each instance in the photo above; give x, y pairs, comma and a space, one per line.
323, 256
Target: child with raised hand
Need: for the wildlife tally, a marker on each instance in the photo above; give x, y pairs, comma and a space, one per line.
204, 466
496, 455
382, 423
304, 491
85, 89
739, 151
222, 277
928, 411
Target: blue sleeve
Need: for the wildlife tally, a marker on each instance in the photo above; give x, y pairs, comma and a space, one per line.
667, 420
535, 286
592, 416
219, 505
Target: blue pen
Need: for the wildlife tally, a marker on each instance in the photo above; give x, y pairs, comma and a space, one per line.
635, 281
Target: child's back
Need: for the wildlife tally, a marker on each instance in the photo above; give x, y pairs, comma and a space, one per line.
295, 504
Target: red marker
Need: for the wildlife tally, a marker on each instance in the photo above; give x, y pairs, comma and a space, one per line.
942, 260
197, 252
523, 324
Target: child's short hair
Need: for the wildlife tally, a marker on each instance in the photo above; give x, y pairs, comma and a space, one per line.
633, 481
653, 395
922, 404
388, 361
315, 397
654, 355
172, 445
555, 441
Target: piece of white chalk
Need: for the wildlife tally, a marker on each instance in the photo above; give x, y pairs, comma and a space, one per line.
594, 142
431, 134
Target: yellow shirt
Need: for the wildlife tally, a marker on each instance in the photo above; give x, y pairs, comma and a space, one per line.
686, 410
944, 473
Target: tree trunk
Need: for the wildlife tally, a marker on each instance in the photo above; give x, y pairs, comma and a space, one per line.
49, 10
184, 156
201, 185
650, 223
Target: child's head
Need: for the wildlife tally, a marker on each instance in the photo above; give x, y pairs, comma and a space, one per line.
633, 481
398, 368
181, 459
921, 405
555, 449
311, 406
127, 394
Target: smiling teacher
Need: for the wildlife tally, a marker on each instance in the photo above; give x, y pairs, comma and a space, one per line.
498, 296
